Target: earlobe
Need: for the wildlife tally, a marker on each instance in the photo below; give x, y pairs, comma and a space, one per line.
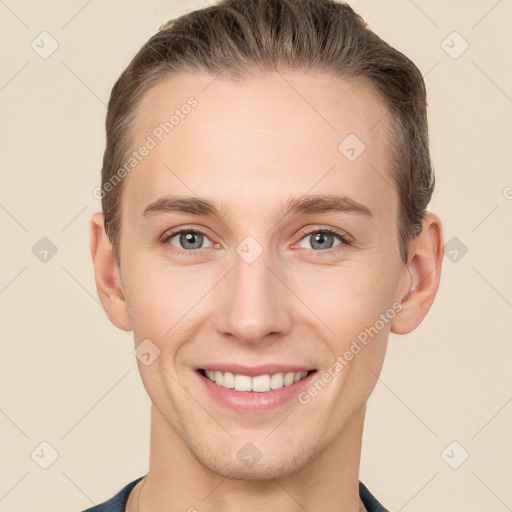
425, 272
107, 276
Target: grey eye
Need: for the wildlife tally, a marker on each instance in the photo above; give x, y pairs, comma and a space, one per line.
190, 240
321, 240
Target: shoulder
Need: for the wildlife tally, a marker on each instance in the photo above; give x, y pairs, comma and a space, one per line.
370, 501
118, 502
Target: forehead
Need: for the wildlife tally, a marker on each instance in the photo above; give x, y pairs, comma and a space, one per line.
274, 135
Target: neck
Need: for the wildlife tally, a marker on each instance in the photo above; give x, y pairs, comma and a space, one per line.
177, 481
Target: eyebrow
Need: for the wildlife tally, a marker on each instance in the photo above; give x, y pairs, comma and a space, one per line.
324, 203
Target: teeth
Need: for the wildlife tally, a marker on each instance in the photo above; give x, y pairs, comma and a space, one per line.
228, 381
242, 382
289, 378
276, 381
259, 384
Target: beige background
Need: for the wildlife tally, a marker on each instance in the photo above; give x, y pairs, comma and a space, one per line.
68, 377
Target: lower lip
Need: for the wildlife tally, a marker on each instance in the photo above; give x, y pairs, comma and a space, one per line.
253, 400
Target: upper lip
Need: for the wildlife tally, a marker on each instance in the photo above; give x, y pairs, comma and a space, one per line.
253, 371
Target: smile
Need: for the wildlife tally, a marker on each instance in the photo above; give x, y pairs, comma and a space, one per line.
258, 383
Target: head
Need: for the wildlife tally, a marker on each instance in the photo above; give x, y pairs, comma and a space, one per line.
290, 142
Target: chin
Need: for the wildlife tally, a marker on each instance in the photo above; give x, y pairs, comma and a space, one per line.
248, 462
268, 470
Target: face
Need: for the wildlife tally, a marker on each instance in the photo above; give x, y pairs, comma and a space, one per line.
289, 257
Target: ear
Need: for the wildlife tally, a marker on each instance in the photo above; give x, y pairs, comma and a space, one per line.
107, 276
425, 260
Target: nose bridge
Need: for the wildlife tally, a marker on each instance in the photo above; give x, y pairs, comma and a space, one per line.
254, 302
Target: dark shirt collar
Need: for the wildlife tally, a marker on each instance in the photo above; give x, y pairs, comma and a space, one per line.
118, 502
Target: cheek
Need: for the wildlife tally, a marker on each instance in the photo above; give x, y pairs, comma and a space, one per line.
159, 295
347, 298
169, 306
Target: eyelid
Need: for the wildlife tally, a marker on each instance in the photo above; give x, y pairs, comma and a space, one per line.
182, 229
343, 236
179, 230
345, 240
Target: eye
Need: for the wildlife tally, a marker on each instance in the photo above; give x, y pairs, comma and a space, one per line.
324, 239
188, 240
191, 241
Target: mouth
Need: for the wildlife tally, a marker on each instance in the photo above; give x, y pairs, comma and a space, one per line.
257, 382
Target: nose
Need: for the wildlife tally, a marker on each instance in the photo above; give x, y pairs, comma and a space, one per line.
253, 302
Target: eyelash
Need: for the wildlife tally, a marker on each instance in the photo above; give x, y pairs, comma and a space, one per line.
343, 237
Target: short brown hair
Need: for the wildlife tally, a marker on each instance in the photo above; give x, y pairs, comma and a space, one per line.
235, 38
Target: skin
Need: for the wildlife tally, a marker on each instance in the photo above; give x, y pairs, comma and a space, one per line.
249, 148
